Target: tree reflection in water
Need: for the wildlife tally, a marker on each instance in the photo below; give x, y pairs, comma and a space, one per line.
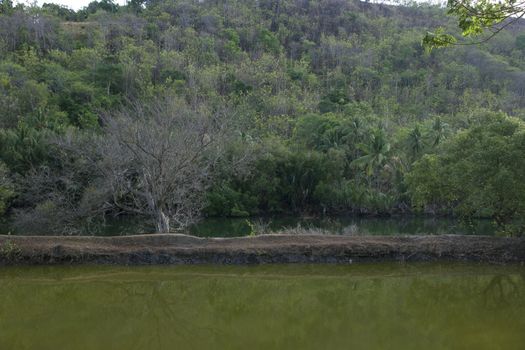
503, 289
410, 306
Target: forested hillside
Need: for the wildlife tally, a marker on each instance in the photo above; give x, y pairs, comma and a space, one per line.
176, 109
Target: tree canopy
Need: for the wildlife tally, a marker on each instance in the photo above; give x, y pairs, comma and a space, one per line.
477, 19
327, 107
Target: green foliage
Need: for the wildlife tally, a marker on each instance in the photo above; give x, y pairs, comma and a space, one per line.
428, 187
334, 101
520, 42
223, 200
269, 41
24, 147
10, 251
322, 132
478, 172
474, 18
6, 6
375, 152
6, 189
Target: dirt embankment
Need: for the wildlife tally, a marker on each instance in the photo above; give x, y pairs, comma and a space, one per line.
182, 249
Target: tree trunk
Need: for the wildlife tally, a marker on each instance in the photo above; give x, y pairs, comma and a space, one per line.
162, 222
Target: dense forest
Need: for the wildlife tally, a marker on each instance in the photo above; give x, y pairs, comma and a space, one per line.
174, 110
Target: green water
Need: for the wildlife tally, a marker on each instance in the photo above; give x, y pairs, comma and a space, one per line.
376, 306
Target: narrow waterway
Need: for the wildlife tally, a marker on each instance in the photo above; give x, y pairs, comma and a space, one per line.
341, 225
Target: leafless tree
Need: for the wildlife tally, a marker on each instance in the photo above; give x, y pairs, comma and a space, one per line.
31, 27
153, 159
159, 158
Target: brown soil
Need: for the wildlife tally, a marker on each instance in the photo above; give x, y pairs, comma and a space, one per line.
182, 249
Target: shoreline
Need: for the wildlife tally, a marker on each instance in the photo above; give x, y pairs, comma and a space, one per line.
183, 249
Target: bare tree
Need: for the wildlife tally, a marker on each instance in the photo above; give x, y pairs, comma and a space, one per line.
154, 159
158, 159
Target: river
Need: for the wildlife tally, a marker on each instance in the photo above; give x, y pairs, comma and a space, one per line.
368, 306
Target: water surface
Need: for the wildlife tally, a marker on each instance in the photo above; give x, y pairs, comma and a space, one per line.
343, 225
371, 306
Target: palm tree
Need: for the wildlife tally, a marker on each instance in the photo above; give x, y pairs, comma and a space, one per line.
376, 152
438, 131
415, 142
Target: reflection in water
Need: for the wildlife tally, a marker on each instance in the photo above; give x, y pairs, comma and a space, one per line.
502, 289
345, 225
375, 306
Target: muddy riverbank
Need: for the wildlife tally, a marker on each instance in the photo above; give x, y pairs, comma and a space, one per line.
183, 249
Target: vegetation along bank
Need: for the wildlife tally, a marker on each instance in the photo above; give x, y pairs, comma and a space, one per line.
174, 110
